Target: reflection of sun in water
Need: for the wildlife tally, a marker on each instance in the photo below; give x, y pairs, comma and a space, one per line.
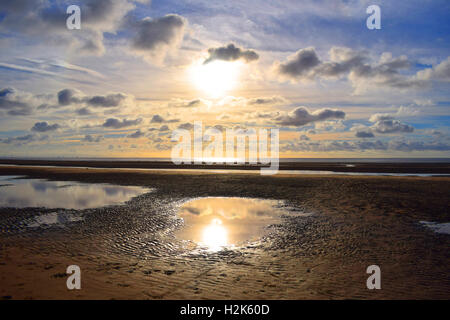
214, 235
215, 78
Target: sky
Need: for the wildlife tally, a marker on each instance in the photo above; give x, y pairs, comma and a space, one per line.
137, 70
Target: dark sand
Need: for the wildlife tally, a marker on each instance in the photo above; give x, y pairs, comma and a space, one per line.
413, 167
130, 252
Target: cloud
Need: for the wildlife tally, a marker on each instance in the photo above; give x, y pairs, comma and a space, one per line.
46, 21
136, 134
67, 97
84, 111
438, 72
330, 125
118, 124
154, 38
275, 100
380, 117
363, 145
110, 100
19, 140
44, 127
358, 68
15, 103
411, 145
299, 64
385, 123
230, 53
302, 116
391, 126
90, 138
332, 145
364, 134
195, 103
73, 96
186, 126
304, 138
54, 68
158, 119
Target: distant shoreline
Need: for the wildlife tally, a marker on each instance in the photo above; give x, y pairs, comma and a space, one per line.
339, 166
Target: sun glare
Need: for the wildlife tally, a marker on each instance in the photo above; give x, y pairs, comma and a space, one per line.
214, 235
216, 78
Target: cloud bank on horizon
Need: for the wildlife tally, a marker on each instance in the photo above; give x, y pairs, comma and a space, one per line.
136, 70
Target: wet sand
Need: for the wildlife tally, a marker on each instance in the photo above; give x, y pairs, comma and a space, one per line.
130, 251
339, 166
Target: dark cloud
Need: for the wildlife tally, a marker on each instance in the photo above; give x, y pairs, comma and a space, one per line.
194, 103
10, 6
44, 127
231, 53
6, 91
72, 96
301, 116
365, 145
67, 96
162, 147
21, 139
343, 60
136, 134
267, 101
408, 146
356, 65
364, 134
118, 124
186, 126
298, 65
158, 119
90, 138
179, 103
84, 111
157, 36
327, 145
110, 100
304, 138
14, 103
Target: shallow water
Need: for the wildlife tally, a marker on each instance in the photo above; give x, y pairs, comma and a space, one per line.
21, 193
231, 171
216, 223
437, 227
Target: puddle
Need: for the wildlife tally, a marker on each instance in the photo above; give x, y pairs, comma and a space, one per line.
22, 193
216, 223
59, 219
437, 227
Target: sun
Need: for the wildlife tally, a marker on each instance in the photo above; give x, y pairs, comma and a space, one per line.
215, 79
215, 236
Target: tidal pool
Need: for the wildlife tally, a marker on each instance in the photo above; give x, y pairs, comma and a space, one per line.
216, 223
21, 193
437, 227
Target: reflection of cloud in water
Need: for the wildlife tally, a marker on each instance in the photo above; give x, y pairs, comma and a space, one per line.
43, 186
53, 219
218, 222
191, 210
58, 194
437, 227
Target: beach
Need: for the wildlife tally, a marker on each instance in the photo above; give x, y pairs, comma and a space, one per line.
130, 251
